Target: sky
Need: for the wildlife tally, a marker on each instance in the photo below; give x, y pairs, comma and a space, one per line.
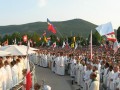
15, 12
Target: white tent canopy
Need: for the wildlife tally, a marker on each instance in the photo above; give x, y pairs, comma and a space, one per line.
4, 53
16, 50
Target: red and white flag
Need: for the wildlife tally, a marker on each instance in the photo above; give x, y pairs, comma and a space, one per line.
25, 38
28, 76
111, 37
54, 45
44, 33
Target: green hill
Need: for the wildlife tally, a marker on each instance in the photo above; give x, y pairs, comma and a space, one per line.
69, 27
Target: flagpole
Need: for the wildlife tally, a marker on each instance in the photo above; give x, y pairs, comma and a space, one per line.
91, 45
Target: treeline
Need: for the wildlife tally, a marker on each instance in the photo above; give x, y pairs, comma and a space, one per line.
38, 40
118, 34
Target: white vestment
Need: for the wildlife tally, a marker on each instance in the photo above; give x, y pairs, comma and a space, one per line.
57, 63
5, 77
94, 85
86, 78
15, 74
113, 80
1, 79
20, 74
45, 62
9, 74
61, 66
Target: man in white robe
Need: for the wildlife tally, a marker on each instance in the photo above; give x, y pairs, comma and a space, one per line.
57, 64
86, 77
1, 77
94, 84
61, 66
9, 74
14, 73
114, 78
5, 77
45, 62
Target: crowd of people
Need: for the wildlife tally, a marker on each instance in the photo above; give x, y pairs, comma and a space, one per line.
99, 73
11, 71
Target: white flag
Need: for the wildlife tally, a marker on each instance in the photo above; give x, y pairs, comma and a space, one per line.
116, 46
63, 44
105, 28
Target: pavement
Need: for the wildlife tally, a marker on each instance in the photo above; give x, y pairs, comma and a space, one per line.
55, 81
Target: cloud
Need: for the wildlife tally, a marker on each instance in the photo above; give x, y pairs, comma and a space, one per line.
42, 3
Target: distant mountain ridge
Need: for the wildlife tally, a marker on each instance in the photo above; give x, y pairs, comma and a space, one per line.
69, 27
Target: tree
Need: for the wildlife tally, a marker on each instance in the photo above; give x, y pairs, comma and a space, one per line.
118, 34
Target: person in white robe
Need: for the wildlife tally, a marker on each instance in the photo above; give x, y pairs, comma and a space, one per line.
94, 84
53, 59
118, 82
86, 77
110, 73
20, 75
114, 78
72, 70
57, 64
1, 76
105, 74
61, 66
9, 74
45, 62
14, 73
5, 77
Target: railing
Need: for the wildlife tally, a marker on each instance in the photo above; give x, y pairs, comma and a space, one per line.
18, 86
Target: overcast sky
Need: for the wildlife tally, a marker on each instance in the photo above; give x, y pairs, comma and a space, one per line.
26, 11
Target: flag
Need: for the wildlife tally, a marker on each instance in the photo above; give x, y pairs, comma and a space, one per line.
51, 27
44, 33
49, 38
28, 76
54, 45
45, 39
5, 42
72, 45
25, 38
76, 45
105, 28
67, 45
111, 37
74, 39
63, 44
91, 45
116, 46
15, 42
58, 39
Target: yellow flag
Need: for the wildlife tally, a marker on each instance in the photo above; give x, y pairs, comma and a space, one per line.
72, 45
74, 39
45, 39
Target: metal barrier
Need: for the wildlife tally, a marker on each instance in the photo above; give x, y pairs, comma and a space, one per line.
18, 86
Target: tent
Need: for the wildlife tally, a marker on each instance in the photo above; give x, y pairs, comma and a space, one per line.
16, 50
4, 53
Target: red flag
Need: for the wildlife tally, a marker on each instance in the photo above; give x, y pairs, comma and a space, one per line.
51, 27
28, 76
25, 38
